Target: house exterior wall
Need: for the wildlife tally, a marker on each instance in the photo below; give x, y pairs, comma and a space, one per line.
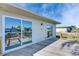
54, 31
39, 32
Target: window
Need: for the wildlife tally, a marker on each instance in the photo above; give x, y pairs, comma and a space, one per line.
49, 31
17, 32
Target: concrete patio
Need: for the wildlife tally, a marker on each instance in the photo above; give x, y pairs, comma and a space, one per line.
32, 49
70, 48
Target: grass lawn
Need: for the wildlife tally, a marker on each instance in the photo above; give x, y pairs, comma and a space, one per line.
58, 34
0, 46
71, 36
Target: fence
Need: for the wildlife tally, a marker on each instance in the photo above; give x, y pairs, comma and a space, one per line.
70, 36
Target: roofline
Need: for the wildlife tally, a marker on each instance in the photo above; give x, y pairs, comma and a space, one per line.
34, 13
30, 12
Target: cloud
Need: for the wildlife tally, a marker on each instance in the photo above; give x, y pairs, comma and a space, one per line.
52, 10
70, 14
44, 9
21, 5
67, 14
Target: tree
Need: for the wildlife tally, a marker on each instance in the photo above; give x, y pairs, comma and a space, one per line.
71, 28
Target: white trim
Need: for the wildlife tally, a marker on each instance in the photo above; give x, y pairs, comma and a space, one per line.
3, 35
21, 32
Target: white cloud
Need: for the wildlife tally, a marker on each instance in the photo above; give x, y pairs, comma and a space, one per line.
69, 12
70, 15
21, 5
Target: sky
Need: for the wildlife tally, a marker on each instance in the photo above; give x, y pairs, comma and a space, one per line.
67, 14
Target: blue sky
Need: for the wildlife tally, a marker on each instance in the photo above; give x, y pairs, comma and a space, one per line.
67, 14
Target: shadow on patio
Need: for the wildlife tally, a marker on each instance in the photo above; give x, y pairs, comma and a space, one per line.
30, 50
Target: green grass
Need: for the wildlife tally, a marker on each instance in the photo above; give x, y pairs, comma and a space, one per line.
58, 33
71, 36
68, 36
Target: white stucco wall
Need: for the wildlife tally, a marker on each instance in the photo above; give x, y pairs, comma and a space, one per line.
54, 31
38, 31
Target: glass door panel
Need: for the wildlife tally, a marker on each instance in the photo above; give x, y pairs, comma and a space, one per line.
26, 32
12, 33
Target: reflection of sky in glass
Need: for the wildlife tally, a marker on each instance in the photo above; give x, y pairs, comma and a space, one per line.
27, 24
9, 22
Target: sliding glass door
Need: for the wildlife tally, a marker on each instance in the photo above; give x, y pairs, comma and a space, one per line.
17, 32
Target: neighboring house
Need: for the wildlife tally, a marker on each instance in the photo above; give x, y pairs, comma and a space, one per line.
61, 29
20, 28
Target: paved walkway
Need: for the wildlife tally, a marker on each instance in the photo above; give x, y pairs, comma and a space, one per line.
30, 50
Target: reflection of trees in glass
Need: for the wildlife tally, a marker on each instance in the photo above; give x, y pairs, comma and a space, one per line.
18, 28
26, 32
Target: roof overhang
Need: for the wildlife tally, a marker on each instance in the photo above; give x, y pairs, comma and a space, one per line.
21, 11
